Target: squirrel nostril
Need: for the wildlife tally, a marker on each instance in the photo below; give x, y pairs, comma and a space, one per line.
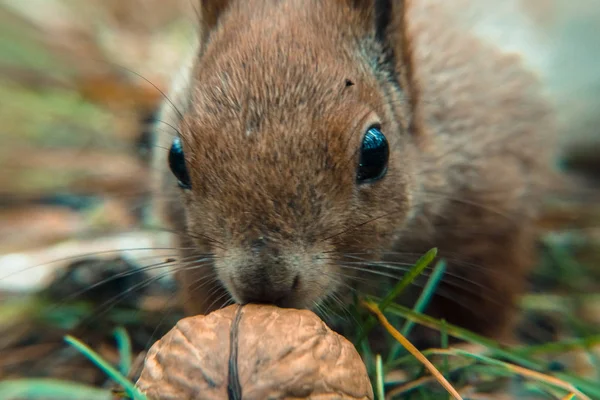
263, 291
258, 245
296, 283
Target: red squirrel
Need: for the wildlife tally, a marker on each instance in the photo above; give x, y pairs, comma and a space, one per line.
321, 146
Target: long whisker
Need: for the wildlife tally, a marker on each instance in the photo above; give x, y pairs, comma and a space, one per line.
91, 254
170, 126
406, 267
454, 261
427, 273
360, 225
203, 281
106, 306
320, 310
440, 292
228, 301
138, 270
150, 267
225, 295
343, 307
480, 206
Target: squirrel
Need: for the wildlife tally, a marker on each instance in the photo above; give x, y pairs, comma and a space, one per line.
319, 147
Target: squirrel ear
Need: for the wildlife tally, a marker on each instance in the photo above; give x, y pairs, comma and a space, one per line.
210, 11
379, 14
385, 11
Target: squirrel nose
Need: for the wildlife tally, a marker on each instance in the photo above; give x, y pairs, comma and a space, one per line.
264, 291
262, 248
259, 244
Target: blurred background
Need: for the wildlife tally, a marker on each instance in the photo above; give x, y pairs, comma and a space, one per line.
80, 82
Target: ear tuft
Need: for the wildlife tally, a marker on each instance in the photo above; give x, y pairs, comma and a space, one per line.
381, 13
210, 11
384, 12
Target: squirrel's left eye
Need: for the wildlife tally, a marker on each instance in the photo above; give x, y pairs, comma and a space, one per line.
178, 166
374, 154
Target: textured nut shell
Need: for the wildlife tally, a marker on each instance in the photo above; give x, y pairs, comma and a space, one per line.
282, 354
190, 361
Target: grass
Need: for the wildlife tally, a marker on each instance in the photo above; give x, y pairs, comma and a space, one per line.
376, 309
50, 389
456, 370
495, 361
406, 280
65, 390
108, 369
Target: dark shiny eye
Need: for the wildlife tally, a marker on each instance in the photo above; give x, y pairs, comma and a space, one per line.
177, 164
374, 154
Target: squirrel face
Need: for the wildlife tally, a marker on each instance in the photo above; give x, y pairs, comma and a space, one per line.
291, 154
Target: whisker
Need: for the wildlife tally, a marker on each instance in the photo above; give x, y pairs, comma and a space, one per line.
480, 206
151, 267
162, 93
371, 271
170, 126
407, 267
201, 282
354, 227
106, 306
374, 262
221, 297
162, 319
346, 314
426, 274
207, 238
320, 310
452, 261
176, 293
89, 255
227, 302
446, 295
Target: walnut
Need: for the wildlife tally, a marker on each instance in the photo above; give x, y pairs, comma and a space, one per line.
254, 352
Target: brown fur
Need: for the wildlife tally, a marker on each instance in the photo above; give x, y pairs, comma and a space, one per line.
271, 132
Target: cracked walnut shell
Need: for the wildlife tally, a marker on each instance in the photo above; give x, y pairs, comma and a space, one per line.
254, 352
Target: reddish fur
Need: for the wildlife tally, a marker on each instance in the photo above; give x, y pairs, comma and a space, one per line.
271, 133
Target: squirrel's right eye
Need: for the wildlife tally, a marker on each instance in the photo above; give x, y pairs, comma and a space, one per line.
374, 154
177, 164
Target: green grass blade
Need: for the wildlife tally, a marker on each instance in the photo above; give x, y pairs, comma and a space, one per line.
107, 368
426, 294
379, 377
585, 386
368, 357
444, 337
421, 303
559, 346
589, 388
494, 349
406, 280
50, 389
463, 334
124, 347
